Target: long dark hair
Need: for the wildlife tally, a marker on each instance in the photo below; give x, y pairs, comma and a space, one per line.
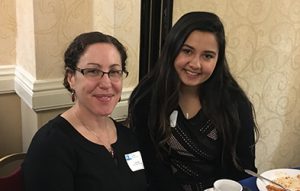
218, 94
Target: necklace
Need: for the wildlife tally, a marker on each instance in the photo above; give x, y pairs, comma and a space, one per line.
90, 131
109, 148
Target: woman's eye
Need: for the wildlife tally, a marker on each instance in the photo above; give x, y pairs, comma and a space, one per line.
114, 72
186, 51
92, 71
208, 56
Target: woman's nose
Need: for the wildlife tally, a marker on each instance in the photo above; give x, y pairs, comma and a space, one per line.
104, 81
196, 62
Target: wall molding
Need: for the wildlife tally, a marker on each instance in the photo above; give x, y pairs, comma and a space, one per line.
43, 95
7, 75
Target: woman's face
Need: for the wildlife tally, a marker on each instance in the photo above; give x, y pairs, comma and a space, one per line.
197, 58
95, 94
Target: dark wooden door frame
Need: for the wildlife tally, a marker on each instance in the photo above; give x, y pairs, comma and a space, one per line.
156, 21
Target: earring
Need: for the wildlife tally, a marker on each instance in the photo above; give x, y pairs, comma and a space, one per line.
73, 95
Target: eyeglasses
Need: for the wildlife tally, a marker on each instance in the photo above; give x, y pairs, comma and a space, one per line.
94, 73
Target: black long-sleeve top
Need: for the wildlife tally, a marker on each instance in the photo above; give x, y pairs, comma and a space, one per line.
61, 159
160, 172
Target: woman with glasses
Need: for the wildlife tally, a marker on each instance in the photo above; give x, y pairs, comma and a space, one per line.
83, 148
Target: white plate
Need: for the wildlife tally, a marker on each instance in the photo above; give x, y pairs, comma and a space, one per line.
273, 174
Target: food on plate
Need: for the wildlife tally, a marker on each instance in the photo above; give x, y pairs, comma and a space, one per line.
273, 188
290, 182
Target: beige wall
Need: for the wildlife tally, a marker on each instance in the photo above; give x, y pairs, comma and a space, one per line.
10, 115
263, 49
10, 124
46, 28
7, 32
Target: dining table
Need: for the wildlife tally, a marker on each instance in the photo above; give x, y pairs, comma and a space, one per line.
250, 183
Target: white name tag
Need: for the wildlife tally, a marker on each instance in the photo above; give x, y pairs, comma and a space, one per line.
134, 161
173, 118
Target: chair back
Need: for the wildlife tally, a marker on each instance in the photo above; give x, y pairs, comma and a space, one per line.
13, 180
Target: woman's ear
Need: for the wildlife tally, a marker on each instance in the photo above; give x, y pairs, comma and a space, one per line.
71, 78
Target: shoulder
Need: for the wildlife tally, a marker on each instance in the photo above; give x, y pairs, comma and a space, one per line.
53, 135
245, 113
51, 144
244, 105
55, 128
241, 100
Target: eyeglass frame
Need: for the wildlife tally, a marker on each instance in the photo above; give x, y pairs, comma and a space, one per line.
121, 72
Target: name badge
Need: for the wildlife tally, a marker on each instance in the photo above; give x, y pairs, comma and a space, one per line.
173, 118
134, 161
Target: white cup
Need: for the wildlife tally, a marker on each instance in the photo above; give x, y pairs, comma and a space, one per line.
227, 185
